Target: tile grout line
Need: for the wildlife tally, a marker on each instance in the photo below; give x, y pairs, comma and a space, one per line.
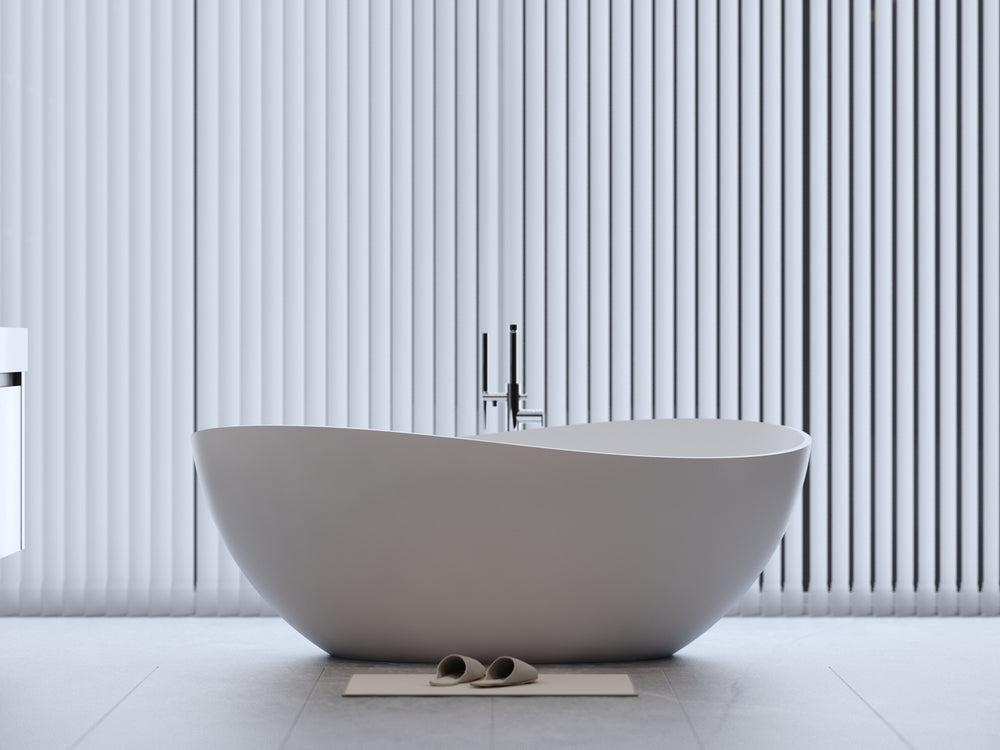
687, 718
493, 738
107, 713
873, 710
302, 708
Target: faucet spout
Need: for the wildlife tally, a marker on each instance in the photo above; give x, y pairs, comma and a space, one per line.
517, 415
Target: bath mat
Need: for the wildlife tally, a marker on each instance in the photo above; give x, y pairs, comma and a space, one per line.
547, 684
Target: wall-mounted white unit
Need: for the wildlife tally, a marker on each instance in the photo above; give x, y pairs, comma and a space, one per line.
13, 363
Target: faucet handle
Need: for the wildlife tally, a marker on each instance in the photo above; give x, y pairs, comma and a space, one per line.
530, 415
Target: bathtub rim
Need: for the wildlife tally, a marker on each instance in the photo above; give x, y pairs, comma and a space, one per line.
804, 439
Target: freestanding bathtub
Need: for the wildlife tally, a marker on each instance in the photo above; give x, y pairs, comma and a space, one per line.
597, 542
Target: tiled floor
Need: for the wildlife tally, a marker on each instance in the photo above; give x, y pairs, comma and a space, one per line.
747, 683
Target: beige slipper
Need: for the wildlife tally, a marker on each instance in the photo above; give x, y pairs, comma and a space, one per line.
506, 670
456, 669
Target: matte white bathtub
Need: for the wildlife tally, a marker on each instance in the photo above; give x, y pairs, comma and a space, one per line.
599, 542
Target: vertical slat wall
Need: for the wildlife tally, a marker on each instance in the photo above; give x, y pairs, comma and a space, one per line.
779, 211
352, 157
285, 230
97, 261
742, 208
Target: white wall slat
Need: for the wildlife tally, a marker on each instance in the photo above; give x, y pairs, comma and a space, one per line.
686, 239
947, 309
905, 425
444, 218
536, 68
991, 307
380, 216
254, 256
183, 331
424, 361
467, 327
840, 334
772, 16
664, 250
402, 215
751, 146
337, 213
861, 308
729, 215
54, 240
795, 246
967, 444
926, 56
556, 202
95, 592
75, 332
512, 171
706, 189
172, 227
600, 211
490, 320
293, 198
208, 406
578, 166
316, 355
262, 58
883, 252
819, 256
359, 203
622, 122
642, 163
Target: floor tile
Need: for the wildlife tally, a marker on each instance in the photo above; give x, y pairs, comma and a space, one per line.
653, 718
254, 682
48, 705
330, 720
250, 705
936, 691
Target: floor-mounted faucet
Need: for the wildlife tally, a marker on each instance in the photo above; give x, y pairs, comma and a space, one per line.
517, 415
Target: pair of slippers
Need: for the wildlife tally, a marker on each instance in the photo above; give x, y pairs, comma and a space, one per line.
505, 670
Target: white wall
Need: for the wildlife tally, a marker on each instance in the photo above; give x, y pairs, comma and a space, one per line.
765, 210
97, 261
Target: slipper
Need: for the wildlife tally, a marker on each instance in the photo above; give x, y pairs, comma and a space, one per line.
456, 669
506, 670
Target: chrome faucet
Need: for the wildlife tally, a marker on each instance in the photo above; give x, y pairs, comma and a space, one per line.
518, 416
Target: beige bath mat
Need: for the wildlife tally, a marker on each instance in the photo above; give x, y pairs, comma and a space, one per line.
547, 684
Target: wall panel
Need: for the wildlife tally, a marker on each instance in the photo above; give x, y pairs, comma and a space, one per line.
220, 212
97, 261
